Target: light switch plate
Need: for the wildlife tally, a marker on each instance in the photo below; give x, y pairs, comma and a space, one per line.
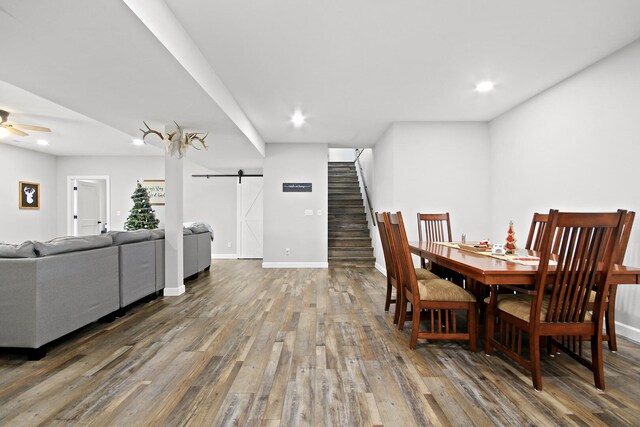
308, 212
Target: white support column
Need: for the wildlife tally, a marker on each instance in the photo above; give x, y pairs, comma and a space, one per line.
173, 256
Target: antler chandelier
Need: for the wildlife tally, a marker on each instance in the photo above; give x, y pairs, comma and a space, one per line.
177, 142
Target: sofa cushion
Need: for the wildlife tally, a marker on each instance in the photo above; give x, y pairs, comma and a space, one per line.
22, 250
61, 245
124, 237
186, 230
156, 234
199, 228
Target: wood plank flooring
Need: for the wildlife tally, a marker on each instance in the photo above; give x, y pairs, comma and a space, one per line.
294, 347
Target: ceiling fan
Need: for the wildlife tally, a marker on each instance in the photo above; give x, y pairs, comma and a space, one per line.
16, 128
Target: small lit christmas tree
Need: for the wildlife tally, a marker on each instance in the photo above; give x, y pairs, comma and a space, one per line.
510, 245
141, 215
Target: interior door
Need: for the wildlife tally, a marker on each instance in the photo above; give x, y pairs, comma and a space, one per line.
251, 218
87, 208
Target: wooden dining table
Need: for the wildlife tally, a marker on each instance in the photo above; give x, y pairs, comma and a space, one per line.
487, 270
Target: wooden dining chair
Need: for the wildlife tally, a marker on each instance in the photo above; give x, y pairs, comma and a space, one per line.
437, 228
558, 306
438, 299
534, 242
392, 282
433, 228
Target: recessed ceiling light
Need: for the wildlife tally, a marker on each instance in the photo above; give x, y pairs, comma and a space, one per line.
3, 132
43, 142
138, 141
485, 86
297, 119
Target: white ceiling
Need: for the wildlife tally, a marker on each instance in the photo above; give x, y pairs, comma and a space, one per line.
352, 67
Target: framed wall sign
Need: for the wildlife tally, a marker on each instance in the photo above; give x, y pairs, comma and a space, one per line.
155, 188
29, 195
296, 187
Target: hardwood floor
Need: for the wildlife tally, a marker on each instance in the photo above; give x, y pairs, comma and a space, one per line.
247, 346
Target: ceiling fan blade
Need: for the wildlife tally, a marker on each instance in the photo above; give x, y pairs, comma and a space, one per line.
16, 131
31, 127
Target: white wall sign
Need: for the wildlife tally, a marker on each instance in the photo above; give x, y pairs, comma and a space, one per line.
155, 187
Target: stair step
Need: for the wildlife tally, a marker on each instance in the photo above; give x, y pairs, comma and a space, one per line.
337, 234
342, 172
348, 227
335, 191
353, 186
342, 178
333, 210
365, 262
345, 196
350, 252
347, 216
345, 202
335, 242
348, 219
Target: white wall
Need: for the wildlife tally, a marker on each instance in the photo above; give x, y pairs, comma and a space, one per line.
433, 167
212, 200
18, 225
207, 200
285, 224
574, 147
342, 154
124, 172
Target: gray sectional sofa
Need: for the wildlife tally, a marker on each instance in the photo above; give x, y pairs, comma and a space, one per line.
49, 289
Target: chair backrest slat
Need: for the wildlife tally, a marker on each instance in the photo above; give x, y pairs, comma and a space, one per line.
434, 227
538, 225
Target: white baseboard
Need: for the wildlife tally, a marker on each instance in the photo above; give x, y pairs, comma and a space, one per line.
381, 269
295, 265
174, 292
224, 256
628, 332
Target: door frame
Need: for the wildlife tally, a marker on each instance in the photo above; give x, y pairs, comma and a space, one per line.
239, 216
107, 196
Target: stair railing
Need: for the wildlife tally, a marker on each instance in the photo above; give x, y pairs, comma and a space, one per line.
363, 185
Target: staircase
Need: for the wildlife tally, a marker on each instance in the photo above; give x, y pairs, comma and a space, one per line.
349, 239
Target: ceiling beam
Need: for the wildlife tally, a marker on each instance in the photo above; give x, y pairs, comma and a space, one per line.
163, 24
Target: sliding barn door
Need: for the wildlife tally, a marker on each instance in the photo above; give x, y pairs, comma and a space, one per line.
250, 222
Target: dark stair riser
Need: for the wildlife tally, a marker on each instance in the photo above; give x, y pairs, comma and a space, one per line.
351, 252
346, 210
342, 180
338, 242
354, 196
345, 202
363, 232
353, 262
335, 216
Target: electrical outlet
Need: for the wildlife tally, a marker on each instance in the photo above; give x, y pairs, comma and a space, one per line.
117, 213
287, 251
228, 244
319, 212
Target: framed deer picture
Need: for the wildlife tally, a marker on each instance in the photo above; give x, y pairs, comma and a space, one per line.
29, 195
